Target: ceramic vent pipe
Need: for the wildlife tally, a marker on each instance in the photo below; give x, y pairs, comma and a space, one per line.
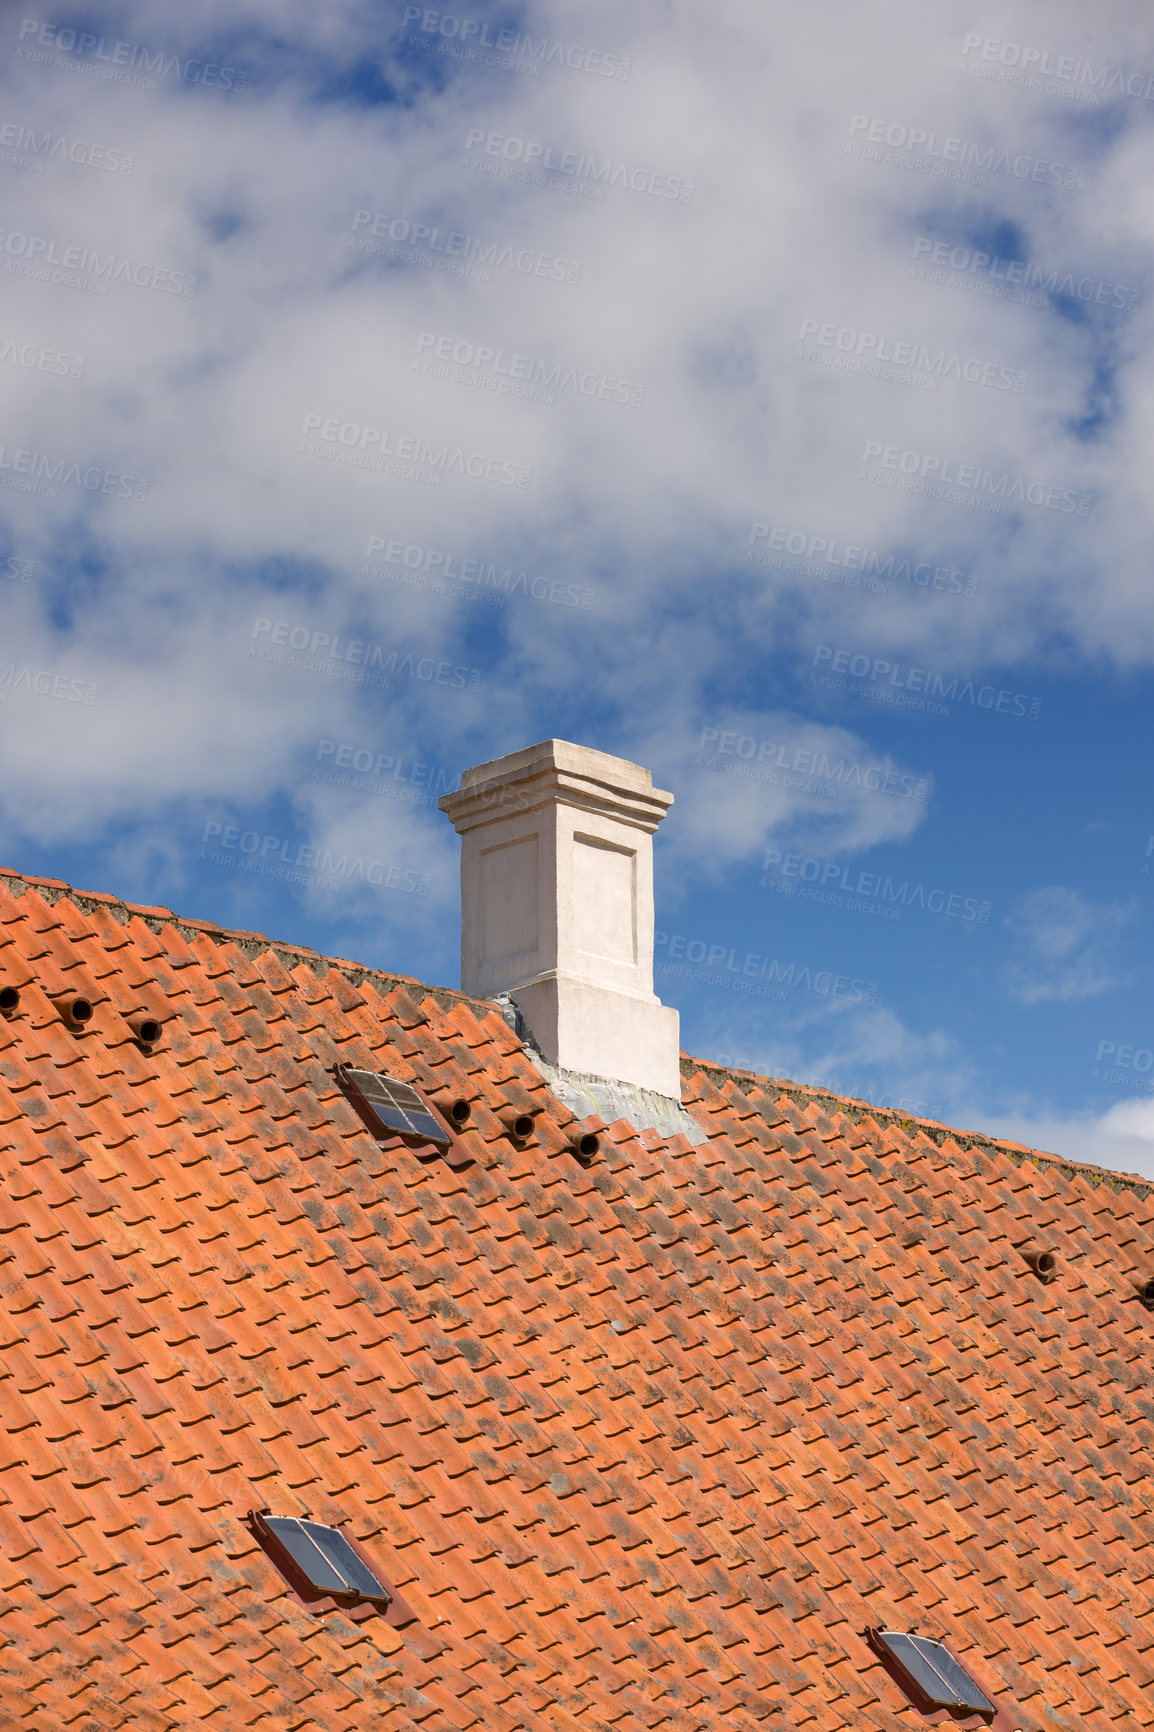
74, 1011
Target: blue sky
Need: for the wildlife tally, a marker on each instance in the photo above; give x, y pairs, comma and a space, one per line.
762, 395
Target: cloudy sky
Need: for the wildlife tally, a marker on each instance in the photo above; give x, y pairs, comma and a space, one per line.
763, 392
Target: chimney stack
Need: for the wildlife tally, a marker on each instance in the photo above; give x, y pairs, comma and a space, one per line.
557, 907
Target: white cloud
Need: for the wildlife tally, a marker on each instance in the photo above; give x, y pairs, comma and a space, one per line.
1120, 1139
746, 780
701, 300
1063, 941
847, 1044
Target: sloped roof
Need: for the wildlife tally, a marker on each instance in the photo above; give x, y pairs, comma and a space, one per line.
643, 1444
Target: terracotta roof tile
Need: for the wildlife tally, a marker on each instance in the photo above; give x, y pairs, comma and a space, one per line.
645, 1444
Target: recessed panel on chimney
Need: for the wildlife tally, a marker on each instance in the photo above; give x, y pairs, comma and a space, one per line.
605, 900
509, 905
557, 907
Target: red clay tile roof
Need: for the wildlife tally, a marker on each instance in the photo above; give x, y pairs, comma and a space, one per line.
644, 1444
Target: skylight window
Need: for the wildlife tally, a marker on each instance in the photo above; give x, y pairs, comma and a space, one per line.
390, 1107
318, 1562
929, 1674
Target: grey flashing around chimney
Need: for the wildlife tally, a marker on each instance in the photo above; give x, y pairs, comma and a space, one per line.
602, 1097
641, 1108
586, 1096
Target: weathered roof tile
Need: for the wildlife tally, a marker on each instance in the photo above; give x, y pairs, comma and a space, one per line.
644, 1444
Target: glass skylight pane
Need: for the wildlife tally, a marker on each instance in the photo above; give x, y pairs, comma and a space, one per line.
425, 1125
403, 1094
346, 1562
936, 1673
318, 1561
953, 1675
908, 1654
397, 1106
309, 1558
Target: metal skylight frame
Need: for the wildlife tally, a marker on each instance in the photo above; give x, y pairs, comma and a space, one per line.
388, 1106
929, 1673
319, 1562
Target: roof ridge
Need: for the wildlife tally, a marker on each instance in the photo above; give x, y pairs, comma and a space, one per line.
855, 1110
253, 944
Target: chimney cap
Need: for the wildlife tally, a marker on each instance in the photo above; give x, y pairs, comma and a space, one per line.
556, 770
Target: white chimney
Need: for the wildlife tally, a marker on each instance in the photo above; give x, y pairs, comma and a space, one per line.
557, 907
